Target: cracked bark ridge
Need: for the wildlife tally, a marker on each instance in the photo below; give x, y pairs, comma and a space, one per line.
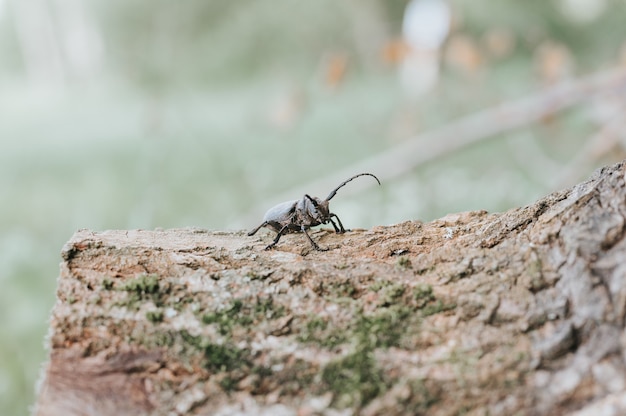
521, 312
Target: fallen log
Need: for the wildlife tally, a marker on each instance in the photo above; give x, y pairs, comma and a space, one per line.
521, 312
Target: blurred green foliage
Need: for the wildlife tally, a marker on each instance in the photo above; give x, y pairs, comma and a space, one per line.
201, 111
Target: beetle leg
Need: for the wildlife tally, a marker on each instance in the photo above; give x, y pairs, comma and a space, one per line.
252, 232
343, 230
334, 225
280, 233
313, 243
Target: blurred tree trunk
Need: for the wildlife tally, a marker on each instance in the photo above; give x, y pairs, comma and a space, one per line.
370, 30
80, 37
59, 40
521, 312
36, 34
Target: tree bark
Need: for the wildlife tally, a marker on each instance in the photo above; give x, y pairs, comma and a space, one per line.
521, 312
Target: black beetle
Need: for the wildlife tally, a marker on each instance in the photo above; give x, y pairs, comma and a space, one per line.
302, 214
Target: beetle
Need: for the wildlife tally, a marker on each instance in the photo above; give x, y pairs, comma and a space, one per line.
301, 214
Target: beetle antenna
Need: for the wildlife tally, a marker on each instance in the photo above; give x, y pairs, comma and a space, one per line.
334, 191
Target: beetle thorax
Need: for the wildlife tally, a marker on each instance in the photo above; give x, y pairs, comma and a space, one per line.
314, 213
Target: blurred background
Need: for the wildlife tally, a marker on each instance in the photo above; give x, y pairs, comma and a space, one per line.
151, 113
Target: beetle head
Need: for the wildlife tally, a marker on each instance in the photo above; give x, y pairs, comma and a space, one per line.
316, 208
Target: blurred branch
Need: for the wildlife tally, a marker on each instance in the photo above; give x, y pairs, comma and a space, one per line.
476, 127
468, 130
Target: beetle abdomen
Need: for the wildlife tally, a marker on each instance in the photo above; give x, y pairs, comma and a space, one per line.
280, 215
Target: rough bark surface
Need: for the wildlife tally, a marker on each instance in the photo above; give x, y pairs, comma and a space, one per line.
521, 312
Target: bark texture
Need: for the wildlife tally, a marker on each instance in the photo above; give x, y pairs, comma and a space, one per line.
521, 312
